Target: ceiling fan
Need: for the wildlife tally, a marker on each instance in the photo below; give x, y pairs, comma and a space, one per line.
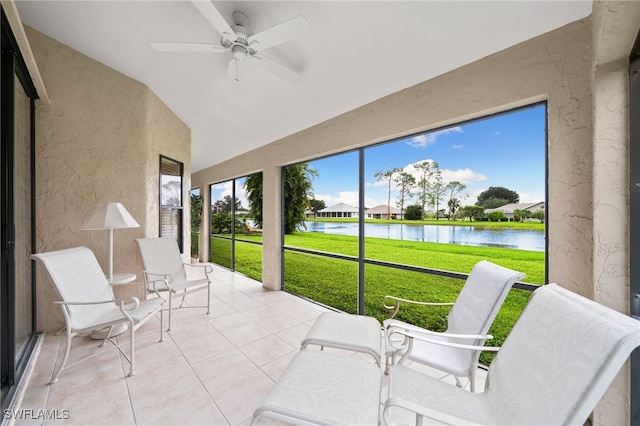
244, 46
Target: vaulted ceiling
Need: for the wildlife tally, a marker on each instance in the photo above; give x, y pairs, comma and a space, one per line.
356, 52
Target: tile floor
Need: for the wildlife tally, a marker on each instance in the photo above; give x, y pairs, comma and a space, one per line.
210, 370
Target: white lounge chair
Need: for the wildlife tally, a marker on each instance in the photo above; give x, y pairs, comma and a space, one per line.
162, 260
468, 322
88, 303
553, 368
324, 388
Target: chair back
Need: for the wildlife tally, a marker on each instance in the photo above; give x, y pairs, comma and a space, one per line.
77, 277
162, 256
559, 358
481, 297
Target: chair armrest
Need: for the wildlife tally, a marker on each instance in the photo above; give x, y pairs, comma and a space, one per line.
417, 336
397, 300
129, 307
207, 266
102, 302
146, 273
422, 411
399, 325
155, 285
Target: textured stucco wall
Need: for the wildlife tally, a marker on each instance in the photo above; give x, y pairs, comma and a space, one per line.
99, 140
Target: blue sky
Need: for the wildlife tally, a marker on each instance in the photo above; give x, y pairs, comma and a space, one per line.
504, 150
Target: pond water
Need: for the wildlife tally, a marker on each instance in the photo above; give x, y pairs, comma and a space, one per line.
520, 239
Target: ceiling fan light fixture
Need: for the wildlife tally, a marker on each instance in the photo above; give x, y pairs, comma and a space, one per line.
239, 51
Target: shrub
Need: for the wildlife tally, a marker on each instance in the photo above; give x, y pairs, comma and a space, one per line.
496, 216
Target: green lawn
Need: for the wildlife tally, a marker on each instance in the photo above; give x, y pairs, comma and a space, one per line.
334, 282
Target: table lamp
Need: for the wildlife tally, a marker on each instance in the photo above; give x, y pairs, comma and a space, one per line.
110, 216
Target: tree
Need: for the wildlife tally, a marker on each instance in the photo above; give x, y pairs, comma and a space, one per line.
225, 205
453, 204
253, 190
472, 212
171, 193
493, 203
521, 215
497, 192
388, 176
538, 214
454, 189
413, 212
426, 170
405, 182
316, 205
220, 223
496, 216
196, 213
196, 220
437, 189
298, 190
297, 195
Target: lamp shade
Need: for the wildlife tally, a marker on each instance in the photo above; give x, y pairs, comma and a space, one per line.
110, 216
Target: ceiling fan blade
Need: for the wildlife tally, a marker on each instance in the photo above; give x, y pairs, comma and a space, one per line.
280, 33
215, 18
187, 47
278, 69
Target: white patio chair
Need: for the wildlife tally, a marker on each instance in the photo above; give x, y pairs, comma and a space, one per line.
553, 368
88, 303
468, 322
162, 260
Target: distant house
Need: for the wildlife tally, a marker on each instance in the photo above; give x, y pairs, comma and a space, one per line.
508, 209
338, 210
383, 212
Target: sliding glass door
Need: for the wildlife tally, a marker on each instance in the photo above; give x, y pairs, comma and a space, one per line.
17, 296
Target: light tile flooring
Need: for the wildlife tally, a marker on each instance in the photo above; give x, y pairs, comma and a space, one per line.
210, 370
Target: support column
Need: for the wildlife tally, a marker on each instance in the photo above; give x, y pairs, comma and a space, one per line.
611, 216
272, 228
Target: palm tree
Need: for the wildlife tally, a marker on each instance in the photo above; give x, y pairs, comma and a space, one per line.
253, 189
298, 190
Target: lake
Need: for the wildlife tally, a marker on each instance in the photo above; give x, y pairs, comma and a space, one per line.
519, 239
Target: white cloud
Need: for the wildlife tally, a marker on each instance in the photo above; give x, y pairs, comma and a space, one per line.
427, 139
530, 198
457, 146
465, 176
347, 197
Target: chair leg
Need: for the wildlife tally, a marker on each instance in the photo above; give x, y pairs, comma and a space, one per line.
162, 323
132, 349
472, 381
106, 338
458, 382
184, 296
208, 297
64, 358
170, 299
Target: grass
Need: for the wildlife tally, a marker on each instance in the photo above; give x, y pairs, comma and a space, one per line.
334, 282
